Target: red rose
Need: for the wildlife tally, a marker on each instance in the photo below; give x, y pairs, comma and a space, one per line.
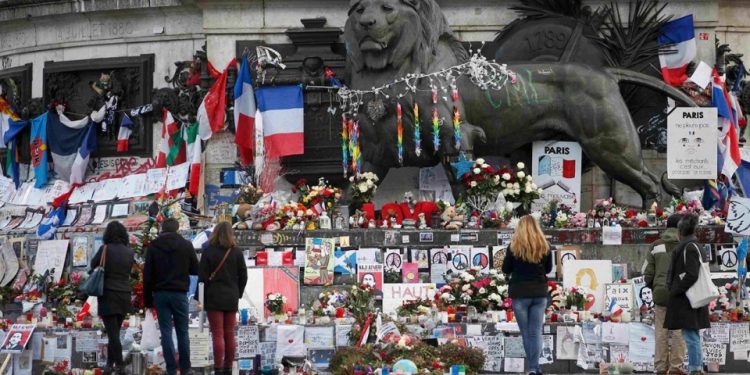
643, 224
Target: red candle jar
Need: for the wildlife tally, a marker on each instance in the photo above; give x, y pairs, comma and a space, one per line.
451, 314
509, 315
339, 312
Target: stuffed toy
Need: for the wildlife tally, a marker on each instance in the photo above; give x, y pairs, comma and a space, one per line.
452, 220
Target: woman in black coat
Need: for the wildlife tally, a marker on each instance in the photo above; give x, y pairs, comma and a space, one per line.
223, 272
116, 301
683, 273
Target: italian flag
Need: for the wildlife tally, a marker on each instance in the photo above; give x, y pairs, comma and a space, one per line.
194, 149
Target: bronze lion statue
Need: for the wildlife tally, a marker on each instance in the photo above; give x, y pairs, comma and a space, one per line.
390, 39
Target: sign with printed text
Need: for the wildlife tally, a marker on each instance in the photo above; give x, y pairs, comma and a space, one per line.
691, 143
394, 295
556, 168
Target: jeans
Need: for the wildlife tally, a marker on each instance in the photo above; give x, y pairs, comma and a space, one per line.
668, 357
172, 307
112, 324
222, 325
529, 314
695, 352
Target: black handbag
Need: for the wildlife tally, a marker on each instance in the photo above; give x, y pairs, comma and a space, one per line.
94, 285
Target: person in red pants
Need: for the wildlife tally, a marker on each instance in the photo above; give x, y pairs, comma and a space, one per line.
223, 272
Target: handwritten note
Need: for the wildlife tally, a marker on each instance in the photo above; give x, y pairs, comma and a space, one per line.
342, 335
84, 193
247, 341
514, 347
107, 190
714, 352
612, 235
740, 337
319, 337
155, 180
177, 176
51, 255
492, 346
133, 186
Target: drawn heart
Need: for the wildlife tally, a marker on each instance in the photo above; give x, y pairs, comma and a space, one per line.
644, 338
590, 300
291, 341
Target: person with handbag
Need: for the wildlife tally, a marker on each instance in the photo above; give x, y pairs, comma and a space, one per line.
170, 260
528, 261
116, 259
684, 273
223, 272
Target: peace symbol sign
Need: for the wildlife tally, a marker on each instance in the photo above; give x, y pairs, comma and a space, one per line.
460, 262
439, 258
393, 260
480, 260
729, 258
567, 256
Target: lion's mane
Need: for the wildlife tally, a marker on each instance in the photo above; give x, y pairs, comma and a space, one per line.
432, 29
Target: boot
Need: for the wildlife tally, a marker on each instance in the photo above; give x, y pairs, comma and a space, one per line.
219, 371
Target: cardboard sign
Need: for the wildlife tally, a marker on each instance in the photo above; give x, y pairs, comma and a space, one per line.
556, 169
738, 216
492, 346
200, 346
691, 143
714, 352
372, 275
51, 255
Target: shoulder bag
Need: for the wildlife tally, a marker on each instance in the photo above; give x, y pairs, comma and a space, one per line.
221, 264
94, 285
703, 291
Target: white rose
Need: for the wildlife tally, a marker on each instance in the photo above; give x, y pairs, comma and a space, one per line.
484, 165
496, 178
508, 206
283, 299
521, 174
482, 291
480, 161
521, 165
533, 186
351, 179
477, 171
370, 183
321, 295
516, 185
527, 190
362, 187
517, 191
528, 178
493, 283
465, 287
540, 191
445, 296
506, 176
473, 184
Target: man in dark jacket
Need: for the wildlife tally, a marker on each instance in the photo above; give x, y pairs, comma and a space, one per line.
683, 272
170, 260
655, 273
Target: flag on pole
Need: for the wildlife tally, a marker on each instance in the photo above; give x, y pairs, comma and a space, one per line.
283, 120
244, 114
7, 114
123, 136
729, 140
678, 39
194, 149
212, 111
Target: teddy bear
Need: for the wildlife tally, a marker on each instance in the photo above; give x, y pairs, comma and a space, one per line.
452, 220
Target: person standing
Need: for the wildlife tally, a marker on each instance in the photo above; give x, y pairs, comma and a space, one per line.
224, 275
528, 262
170, 260
668, 359
683, 273
115, 303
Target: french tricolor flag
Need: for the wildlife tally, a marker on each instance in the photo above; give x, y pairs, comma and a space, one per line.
614, 307
678, 39
729, 145
244, 114
283, 120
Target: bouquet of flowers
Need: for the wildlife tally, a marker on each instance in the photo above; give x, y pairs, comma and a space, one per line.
360, 301
606, 209
364, 186
318, 198
415, 307
249, 194
557, 215
686, 207
576, 297
579, 220
330, 303
485, 292
275, 303
518, 186
482, 185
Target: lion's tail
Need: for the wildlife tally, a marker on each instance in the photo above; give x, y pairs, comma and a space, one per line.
640, 79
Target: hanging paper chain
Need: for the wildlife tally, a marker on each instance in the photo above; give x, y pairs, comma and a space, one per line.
435, 121
355, 146
400, 132
417, 135
456, 120
358, 148
344, 144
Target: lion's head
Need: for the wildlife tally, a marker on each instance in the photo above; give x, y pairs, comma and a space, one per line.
389, 33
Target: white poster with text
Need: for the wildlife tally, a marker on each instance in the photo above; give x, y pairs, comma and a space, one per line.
556, 168
691, 143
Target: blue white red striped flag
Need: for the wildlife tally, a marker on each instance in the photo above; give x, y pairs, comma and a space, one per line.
283, 120
678, 39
